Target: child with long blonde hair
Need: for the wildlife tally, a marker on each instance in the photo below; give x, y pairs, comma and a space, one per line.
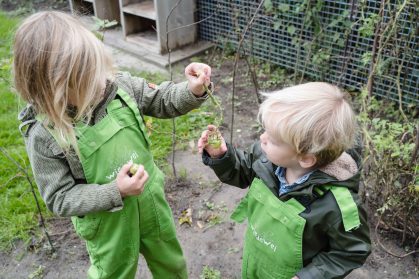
84, 128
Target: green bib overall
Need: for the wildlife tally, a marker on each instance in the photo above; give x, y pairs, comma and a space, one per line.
145, 224
274, 237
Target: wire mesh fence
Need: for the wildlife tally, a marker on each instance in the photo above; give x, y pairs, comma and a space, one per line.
329, 40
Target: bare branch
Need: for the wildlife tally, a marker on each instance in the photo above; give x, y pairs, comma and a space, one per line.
23, 170
236, 60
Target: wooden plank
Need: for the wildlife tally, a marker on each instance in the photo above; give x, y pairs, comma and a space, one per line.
90, 1
143, 9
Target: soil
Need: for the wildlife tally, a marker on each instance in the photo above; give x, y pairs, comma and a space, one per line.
212, 239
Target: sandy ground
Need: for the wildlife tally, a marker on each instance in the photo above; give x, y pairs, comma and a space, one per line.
217, 243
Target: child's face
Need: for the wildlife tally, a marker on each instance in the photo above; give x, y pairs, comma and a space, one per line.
279, 153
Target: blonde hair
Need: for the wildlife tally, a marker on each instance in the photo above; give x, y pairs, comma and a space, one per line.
314, 118
57, 63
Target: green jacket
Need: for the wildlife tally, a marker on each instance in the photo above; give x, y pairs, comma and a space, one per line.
328, 250
60, 178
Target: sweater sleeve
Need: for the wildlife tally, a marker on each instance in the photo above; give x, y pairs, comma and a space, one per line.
166, 100
61, 191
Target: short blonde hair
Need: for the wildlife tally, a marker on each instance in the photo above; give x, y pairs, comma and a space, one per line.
58, 62
314, 118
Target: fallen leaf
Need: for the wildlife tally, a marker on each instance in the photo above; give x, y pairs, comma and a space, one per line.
186, 217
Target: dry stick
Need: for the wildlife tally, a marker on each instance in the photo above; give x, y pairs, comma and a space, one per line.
299, 41
381, 44
33, 193
236, 60
385, 249
399, 70
253, 70
254, 79
346, 47
171, 77
415, 149
370, 81
171, 73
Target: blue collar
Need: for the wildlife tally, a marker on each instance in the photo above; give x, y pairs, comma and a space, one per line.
284, 187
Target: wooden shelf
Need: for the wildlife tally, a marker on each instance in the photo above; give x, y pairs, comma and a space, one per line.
143, 9
90, 1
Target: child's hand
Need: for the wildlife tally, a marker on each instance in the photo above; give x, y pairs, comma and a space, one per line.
131, 185
212, 141
197, 75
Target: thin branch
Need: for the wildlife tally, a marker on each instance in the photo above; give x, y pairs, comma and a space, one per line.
236, 60
171, 78
348, 33
2, 150
385, 249
254, 79
415, 149
382, 43
197, 22
370, 82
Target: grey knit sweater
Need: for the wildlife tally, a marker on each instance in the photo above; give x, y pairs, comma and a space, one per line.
60, 177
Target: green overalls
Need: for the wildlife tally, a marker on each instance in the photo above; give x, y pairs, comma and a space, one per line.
145, 224
274, 236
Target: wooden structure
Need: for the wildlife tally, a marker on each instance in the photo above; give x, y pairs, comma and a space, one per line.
144, 21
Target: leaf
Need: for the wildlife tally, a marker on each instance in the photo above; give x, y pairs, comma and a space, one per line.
291, 29
186, 217
283, 8
268, 6
277, 25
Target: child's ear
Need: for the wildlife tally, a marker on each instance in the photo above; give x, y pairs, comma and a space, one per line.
307, 161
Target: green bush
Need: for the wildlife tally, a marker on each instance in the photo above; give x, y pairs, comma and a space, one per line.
391, 165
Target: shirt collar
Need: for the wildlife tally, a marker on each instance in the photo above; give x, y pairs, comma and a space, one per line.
284, 187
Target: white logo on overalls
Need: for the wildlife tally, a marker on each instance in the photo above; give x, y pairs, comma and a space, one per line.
111, 176
262, 240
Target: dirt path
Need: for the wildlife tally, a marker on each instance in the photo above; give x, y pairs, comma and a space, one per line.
212, 240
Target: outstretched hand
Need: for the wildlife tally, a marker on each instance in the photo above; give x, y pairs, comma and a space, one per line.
213, 142
198, 75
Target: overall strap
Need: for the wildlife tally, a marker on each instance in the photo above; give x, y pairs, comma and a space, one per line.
346, 203
134, 108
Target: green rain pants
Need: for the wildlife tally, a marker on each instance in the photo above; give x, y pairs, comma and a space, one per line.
145, 224
274, 237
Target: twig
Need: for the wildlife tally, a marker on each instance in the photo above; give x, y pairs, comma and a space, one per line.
171, 78
300, 39
385, 249
370, 81
197, 22
169, 51
415, 149
382, 43
254, 79
346, 46
33, 193
236, 60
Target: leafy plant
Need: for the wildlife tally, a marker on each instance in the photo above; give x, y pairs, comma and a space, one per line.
390, 164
